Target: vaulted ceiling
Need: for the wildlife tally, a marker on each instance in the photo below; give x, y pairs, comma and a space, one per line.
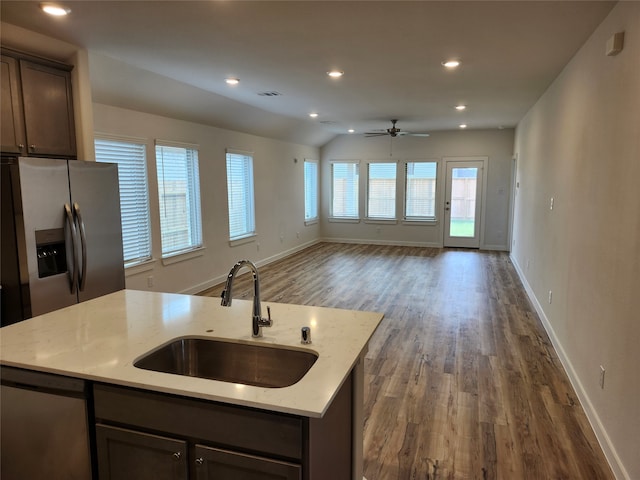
172, 58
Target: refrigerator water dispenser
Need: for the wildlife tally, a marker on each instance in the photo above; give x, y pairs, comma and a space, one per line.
51, 252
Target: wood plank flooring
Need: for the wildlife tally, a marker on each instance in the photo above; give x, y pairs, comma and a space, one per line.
461, 380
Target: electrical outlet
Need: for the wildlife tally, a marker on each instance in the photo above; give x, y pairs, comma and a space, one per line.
550, 296
150, 281
601, 377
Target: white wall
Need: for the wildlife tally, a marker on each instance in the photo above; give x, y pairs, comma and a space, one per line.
279, 198
580, 144
497, 145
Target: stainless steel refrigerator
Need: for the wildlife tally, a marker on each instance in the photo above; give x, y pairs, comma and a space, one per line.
61, 234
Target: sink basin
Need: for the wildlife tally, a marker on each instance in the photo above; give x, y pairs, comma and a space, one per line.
250, 364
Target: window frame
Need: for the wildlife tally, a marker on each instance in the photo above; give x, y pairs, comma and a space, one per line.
248, 185
131, 223
355, 218
311, 199
193, 201
414, 219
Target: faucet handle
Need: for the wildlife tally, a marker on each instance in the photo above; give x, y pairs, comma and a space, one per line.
267, 322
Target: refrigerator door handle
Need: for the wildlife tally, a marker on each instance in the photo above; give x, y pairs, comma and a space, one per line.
83, 245
72, 230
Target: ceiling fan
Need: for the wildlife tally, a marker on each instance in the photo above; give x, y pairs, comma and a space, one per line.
394, 132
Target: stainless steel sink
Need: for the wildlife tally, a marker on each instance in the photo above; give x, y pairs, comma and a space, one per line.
250, 364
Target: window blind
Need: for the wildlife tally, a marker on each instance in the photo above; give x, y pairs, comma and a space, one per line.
134, 195
310, 190
344, 190
240, 195
382, 191
420, 191
179, 198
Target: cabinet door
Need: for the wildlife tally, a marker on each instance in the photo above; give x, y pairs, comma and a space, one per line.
48, 110
213, 463
11, 123
126, 454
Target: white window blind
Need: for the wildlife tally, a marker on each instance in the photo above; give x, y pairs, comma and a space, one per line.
242, 221
420, 191
382, 191
134, 195
179, 197
344, 189
310, 190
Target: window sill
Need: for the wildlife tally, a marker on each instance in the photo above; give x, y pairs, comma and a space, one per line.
420, 222
139, 267
381, 221
344, 220
243, 240
311, 221
183, 255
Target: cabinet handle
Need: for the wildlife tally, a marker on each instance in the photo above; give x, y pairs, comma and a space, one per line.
21, 146
32, 147
199, 461
177, 455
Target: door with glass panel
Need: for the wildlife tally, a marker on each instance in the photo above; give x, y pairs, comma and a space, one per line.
463, 203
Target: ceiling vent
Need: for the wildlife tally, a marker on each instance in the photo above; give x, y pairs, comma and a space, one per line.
270, 94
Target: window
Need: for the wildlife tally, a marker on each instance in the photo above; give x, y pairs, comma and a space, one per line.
381, 194
420, 191
179, 197
134, 195
242, 221
310, 190
344, 190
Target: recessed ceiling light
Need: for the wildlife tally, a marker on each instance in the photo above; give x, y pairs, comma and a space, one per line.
313, 115
461, 107
464, 125
55, 9
351, 130
335, 73
232, 81
451, 63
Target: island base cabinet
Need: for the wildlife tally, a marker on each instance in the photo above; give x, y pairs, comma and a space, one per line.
127, 454
215, 464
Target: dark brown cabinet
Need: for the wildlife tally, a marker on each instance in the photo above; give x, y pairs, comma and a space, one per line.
161, 436
124, 453
37, 107
214, 464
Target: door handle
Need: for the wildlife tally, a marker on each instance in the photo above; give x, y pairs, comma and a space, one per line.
83, 245
72, 229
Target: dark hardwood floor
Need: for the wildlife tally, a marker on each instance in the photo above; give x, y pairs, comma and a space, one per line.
461, 380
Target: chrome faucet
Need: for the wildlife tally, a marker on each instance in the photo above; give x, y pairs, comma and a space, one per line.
257, 322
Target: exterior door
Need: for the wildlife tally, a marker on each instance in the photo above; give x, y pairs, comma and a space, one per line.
463, 203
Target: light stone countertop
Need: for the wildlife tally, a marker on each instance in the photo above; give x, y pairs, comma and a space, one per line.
100, 340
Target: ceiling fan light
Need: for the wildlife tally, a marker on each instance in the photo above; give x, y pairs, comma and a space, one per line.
55, 9
451, 63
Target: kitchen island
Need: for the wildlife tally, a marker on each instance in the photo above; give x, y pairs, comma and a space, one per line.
99, 341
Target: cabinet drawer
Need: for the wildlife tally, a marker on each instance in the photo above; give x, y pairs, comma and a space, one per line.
273, 434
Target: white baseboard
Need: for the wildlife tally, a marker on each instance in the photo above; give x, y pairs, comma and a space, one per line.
212, 282
393, 243
592, 415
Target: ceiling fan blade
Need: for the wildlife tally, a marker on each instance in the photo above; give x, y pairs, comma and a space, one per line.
418, 134
375, 134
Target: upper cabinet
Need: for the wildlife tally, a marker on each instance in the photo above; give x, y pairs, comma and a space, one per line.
37, 107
